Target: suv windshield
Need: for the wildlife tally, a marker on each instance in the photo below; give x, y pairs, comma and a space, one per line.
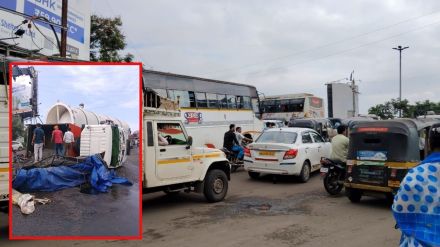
277, 137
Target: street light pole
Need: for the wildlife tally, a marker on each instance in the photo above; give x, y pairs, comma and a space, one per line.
400, 49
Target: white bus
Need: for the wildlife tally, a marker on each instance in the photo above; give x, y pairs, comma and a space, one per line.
286, 107
208, 106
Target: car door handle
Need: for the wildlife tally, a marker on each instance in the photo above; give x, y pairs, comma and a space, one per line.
163, 150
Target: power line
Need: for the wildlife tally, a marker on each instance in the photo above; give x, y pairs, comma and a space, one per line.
328, 44
351, 49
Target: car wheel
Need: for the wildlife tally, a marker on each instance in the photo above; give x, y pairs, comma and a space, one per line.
254, 175
305, 172
216, 185
354, 195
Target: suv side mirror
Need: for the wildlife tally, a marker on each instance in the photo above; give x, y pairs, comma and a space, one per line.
189, 142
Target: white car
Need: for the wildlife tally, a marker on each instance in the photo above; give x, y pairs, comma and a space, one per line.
17, 146
286, 151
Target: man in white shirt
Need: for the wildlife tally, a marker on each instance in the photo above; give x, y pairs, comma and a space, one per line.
240, 136
69, 140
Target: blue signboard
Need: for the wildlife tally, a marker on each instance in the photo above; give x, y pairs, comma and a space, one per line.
75, 32
372, 155
9, 4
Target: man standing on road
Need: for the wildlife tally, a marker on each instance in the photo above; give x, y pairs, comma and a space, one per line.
231, 143
38, 140
69, 140
340, 145
416, 206
57, 138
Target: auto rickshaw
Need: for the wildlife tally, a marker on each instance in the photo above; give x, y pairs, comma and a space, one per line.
380, 154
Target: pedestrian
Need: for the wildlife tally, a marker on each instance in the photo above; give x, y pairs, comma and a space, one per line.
57, 138
416, 206
38, 140
69, 140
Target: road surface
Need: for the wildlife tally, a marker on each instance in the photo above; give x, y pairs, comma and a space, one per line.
259, 213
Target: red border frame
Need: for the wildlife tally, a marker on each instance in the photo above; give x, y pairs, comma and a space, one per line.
47, 63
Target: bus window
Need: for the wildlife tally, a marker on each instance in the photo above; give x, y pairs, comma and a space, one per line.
161, 92
201, 100
192, 99
239, 100
182, 96
247, 102
212, 100
223, 100
231, 102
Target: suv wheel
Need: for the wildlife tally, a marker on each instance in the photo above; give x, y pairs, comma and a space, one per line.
215, 185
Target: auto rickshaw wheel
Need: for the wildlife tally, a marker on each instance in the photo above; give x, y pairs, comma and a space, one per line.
354, 195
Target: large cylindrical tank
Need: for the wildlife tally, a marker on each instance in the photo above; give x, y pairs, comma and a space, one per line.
61, 113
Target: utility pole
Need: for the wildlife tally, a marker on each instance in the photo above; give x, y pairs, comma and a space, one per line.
400, 49
353, 89
63, 52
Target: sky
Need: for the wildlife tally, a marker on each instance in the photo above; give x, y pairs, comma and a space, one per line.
285, 46
109, 90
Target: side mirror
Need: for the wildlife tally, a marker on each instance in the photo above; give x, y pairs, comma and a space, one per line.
189, 142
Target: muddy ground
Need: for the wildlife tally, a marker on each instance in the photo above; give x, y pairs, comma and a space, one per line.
72, 213
259, 213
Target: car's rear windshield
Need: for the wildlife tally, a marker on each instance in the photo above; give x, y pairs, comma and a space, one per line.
277, 137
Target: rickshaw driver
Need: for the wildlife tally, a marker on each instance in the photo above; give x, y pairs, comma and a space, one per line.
416, 206
340, 145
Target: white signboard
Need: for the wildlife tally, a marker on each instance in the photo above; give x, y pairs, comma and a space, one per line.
21, 94
78, 35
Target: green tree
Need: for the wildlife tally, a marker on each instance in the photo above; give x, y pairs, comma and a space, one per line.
384, 111
17, 127
107, 40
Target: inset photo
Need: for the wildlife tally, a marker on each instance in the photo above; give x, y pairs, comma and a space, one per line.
75, 151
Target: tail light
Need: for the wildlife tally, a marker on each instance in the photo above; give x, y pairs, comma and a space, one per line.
247, 152
349, 168
393, 173
291, 154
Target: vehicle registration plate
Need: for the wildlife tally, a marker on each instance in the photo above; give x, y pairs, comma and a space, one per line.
267, 153
324, 169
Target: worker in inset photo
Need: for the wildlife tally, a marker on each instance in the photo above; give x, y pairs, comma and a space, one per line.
57, 139
38, 140
69, 140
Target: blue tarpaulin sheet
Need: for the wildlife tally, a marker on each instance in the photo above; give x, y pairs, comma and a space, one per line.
92, 171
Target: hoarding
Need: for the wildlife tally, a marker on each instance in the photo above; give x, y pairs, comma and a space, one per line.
21, 94
42, 37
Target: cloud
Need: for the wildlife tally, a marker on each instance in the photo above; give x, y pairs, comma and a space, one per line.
296, 45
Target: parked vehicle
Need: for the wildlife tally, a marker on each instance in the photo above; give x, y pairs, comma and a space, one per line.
333, 174
380, 154
17, 146
286, 151
178, 165
322, 125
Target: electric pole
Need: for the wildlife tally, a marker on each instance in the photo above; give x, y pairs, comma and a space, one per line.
63, 51
355, 92
400, 49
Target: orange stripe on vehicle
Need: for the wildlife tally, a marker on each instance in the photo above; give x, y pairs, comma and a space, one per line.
266, 159
6, 169
213, 155
172, 161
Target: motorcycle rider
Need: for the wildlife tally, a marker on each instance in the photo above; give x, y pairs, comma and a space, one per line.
231, 143
241, 137
416, 207
340, 145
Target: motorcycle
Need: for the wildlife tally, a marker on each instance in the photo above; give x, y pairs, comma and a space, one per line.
333, 173
233, 160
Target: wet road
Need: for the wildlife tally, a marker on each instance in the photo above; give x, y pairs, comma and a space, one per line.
71, 213
260, 213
